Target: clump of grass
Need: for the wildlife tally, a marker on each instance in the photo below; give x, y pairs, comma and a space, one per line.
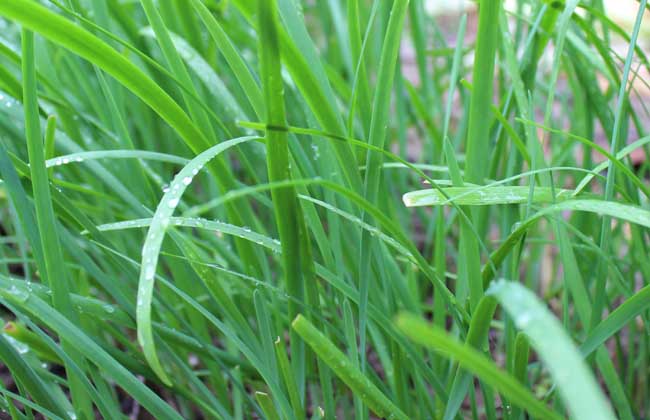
214, 209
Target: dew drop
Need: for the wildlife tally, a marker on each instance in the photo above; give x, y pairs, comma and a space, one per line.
187, 180
172, 203
20, 347
19, 294
523, 319
316, 150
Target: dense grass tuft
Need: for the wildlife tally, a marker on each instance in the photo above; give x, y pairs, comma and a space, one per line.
293, 209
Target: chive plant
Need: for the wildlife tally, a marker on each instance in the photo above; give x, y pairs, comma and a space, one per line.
291, 209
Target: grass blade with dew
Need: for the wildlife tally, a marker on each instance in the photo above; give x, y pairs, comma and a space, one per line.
473, 196
153, 243
575, 382
114, 154
219, 168
109, 70
437, 339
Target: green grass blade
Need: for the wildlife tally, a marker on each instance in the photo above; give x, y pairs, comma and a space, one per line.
625, 212
602, 274
437, 340
477, 138
266, 403
79, 157
575, 382
346, 371
625, 151
615, 321
289, 219
476, 337
153, 243
289, 379
377, 138
54, 271
472, 196
233, 58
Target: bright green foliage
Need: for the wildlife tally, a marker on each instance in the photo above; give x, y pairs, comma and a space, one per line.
286, 208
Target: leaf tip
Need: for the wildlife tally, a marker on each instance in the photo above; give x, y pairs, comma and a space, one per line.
408, 200
299, 319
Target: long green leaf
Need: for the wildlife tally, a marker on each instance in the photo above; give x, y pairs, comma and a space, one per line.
346, 370
575, 382
437, 339
153, 243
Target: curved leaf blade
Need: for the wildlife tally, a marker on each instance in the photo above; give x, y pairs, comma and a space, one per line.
575, 382
436, 339
153, 243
